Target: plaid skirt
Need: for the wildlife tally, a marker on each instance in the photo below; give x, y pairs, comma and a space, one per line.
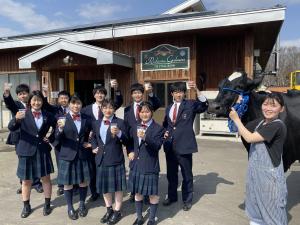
72, 172
143, 184
36, 166
111, 179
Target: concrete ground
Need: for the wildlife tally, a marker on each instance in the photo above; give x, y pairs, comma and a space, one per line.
219, 180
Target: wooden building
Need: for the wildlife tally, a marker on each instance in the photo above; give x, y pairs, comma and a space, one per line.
179, 44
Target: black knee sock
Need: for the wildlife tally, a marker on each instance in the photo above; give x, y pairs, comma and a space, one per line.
47, 201
26, 203
82, 195
153, 209
139, 209
69, 198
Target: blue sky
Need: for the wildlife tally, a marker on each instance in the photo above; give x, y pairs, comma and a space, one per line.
19, 16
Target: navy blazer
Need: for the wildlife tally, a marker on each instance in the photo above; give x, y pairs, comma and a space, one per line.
131, 122
31, 139
181, 134
146, 153
13, 106
71, 141
111, 152
88, 110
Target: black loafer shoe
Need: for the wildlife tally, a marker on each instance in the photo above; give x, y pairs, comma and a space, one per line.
168, 202
187, 206
60, 191
139, 222
47, 210
107, 216
73, 215
19, 190
131, 198
82, 211
115, 218
39, 188
26, 211
150, 222
93, 198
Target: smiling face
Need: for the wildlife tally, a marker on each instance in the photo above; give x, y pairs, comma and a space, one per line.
145, 114
75, 106
271, 109
137, 96
36, 103
108, 111
99, 96
63, 100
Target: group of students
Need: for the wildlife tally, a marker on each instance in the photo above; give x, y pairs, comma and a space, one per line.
89, 145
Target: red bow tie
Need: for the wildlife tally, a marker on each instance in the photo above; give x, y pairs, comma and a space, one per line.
36, 114
106, 122
76, 117
144, 126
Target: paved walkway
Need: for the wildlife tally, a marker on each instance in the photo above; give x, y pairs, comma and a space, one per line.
219, 175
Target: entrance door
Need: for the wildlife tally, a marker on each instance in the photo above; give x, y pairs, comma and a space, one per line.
84, 88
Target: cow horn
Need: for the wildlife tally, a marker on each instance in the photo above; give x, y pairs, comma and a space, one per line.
252, 84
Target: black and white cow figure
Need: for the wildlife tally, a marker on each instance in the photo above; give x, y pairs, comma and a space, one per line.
238, 83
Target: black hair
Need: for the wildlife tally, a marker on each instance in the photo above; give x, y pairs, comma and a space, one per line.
65, 93
178, 86
137, 87
101, 89
36, 93
108, 102
22, 88
147, 105
275, 96
75, 99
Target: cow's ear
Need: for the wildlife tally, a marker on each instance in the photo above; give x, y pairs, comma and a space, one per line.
252, 84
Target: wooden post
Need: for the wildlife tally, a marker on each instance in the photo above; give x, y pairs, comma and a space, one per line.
249, 46
107, 77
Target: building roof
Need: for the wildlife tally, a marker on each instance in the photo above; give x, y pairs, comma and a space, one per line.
148, 25
187, 6
102, 56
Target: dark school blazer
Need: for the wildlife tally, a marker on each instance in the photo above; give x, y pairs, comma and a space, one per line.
31, 138
71, 141
181, 134
146, 154
111, 152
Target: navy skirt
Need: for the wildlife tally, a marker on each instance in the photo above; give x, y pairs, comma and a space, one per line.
36, 166
72, 172
143, 184
111, 179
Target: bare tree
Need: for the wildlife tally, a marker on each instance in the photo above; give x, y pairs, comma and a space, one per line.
289, 60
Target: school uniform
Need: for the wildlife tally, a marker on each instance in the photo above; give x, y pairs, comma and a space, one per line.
181, 144
33, 152
95, 113
145, 167
74, 166
111, 174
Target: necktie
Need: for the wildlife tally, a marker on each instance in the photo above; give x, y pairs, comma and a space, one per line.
76, 117
64, 111
137, 112
174, 113
36, 114
106, 122
99, 112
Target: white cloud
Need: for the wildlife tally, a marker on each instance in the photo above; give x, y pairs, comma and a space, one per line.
245, 4
98, 11
290, 43
6, 32
26, 15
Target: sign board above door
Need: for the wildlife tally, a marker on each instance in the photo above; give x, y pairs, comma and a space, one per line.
165, 57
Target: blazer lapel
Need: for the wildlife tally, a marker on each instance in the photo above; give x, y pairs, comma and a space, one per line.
167, 113
45, 118
98, 125
68, 117
181, 107
82, 125
31, 118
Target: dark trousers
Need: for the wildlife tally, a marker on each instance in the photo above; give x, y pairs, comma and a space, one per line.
57, 160
92, 184
186, 163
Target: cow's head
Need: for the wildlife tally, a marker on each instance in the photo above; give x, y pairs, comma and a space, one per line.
229, 90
